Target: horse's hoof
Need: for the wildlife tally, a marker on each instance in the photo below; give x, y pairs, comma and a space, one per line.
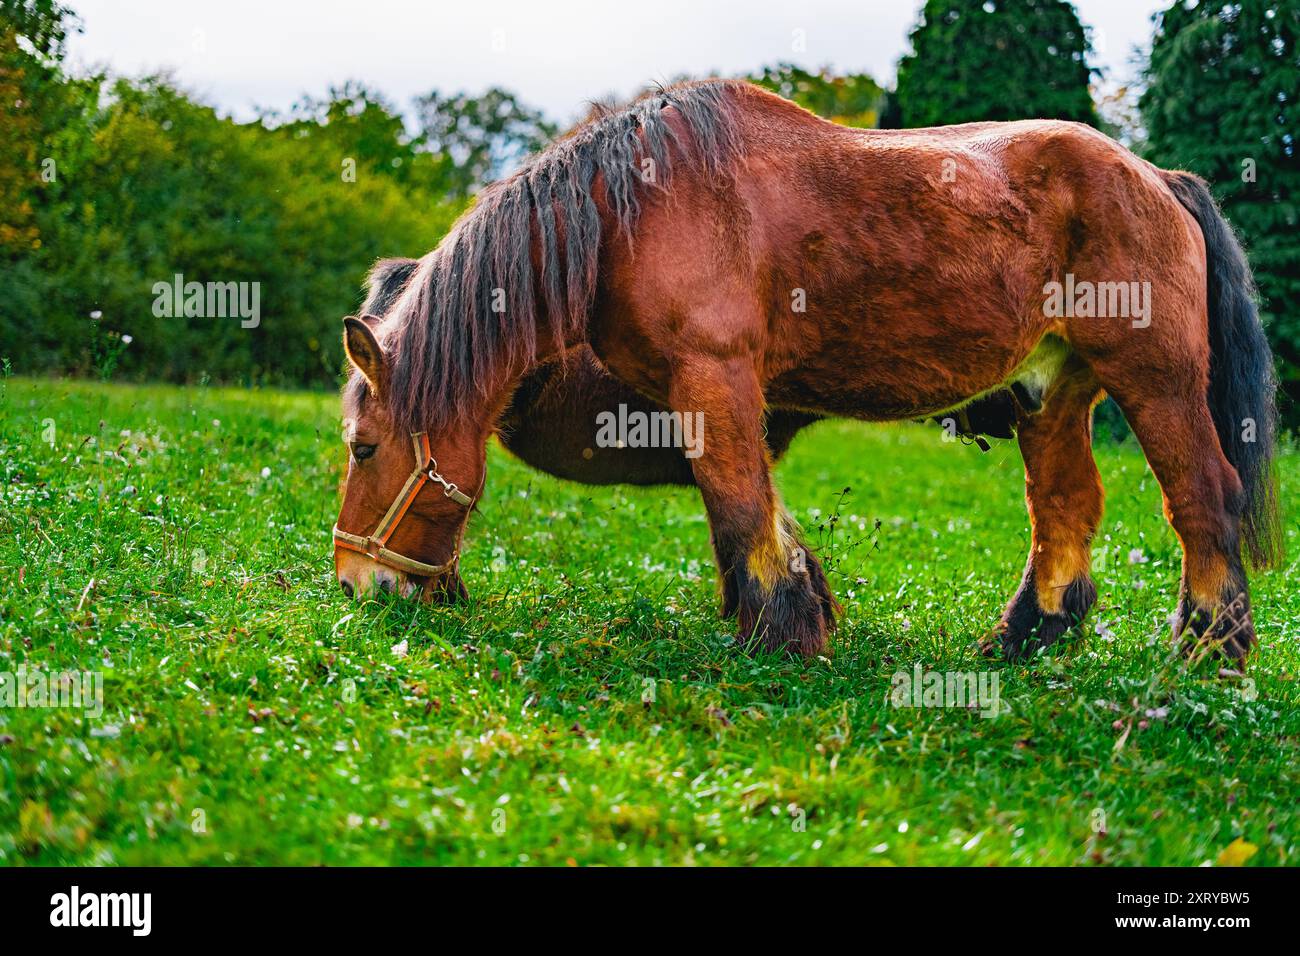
796, 614
1026, 627
1227, 633
792, 618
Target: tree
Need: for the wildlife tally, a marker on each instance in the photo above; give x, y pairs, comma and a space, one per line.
355, 123
153, 184
18, 138
146, 183
485, 136
977, 60
44, 25
39, 137
851, 99
32, 36
1223, 100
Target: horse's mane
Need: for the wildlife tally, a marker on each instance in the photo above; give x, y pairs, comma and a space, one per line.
473, 306
384, 284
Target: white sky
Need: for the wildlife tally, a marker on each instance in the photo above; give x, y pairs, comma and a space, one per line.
555, 54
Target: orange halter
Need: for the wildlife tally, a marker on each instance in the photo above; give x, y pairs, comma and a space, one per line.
373, 546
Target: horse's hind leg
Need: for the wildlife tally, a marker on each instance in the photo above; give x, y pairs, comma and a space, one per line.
1064, 495
1202, 500
771, 580
1157, 374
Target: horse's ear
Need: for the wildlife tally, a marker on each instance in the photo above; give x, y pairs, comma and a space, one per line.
364, 352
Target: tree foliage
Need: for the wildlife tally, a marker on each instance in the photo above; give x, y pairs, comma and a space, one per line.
484, 136
850, 99
43, 25
1223, 100
977, 60
111, 186
151, 185
32, 36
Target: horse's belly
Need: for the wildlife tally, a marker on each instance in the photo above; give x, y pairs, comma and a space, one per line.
886, 383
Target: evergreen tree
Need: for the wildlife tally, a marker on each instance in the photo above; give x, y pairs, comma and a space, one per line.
1223, 100
977, 60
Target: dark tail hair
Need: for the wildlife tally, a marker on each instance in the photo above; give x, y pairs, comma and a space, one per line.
1242, 379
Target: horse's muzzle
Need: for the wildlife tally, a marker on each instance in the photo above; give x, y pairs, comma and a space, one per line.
360, 578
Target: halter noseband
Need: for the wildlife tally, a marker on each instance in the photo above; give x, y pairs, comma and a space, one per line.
426, 469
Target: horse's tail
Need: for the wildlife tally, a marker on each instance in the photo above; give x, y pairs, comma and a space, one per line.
1242, 379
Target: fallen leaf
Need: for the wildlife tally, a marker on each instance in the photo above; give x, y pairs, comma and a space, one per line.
1236, 853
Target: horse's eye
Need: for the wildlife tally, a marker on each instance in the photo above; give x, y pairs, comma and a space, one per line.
362, 452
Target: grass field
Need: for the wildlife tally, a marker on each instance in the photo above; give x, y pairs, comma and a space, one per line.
588, 706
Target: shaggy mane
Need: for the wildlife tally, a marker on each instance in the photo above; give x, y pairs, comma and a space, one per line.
474, 306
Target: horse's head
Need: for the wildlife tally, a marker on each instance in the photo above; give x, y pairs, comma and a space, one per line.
407, 497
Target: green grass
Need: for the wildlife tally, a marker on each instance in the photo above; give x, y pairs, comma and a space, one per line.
588, 706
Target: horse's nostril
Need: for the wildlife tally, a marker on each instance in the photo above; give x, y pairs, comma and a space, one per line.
387, 585
346, 586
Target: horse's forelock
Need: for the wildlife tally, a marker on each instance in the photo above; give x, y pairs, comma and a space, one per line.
355, 391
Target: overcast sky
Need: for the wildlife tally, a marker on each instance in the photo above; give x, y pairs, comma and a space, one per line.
556, 54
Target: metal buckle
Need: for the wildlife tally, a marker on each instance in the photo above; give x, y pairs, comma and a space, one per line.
449, 488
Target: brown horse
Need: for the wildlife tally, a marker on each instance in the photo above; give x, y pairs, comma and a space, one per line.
728, 255
551, 421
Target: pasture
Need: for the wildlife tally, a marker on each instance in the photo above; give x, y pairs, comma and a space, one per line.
588, 706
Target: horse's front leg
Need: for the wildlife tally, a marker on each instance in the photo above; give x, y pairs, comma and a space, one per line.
771, 580
1064, 495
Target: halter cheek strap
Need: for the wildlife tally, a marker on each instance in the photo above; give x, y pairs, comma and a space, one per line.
375, 547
